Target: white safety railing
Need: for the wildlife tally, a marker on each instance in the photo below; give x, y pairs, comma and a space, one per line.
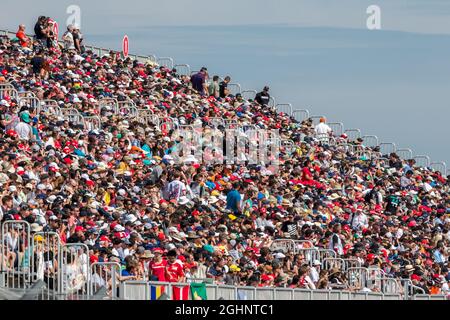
285, 108
300, 115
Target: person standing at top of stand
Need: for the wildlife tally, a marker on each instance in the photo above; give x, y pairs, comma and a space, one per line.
263, 98
198, 81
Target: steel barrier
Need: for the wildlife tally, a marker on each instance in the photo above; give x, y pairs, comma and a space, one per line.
357, 277
337, 128
249, 94
265, 294
128, 111
404, 153
326, 253
74, 271
300, 115
49, 106
439, 166
286, 108
283, 294
234, 88
284, 245
310, 254
8, 91
351, 263
430, 297
135, 290
353, 134
15, 243
272, 102
226, 292
105, 274
151, 290
304, 244
110, 104
165, 62
72, 115
370, 141
44, 254
92, 123
316, 119
386, 148
183, 69
331, 263
422, 161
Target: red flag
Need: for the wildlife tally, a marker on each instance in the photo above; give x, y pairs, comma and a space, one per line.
180, 293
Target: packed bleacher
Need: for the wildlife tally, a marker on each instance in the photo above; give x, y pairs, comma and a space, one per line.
118, 189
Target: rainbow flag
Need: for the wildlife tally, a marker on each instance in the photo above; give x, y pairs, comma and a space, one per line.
156, 292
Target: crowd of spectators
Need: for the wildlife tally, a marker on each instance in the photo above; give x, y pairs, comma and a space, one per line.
119, 190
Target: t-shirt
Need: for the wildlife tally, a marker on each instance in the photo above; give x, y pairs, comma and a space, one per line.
158, 269
197, 81
262, 98
213, 88
22, 37
23, 130
174, 271
322, 128
176, 189
37, 63
392, 204
68, 41
38, 31
233, 198
223, 85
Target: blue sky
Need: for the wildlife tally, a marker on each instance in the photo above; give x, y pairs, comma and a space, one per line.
315, 54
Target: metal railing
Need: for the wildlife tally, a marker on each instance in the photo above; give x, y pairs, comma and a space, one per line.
285, 108
142, 290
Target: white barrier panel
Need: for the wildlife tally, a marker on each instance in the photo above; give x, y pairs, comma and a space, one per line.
370, 141
249, 94
234, 88
15, 243
320, 295
265, 294
392, 297
429, 297
165, 62
135, 290
404, 154
105, 274
300, 294
74, 271
246, 293
359, 295
316, 119
422, 161
337, 127
285, 108
386, 148
183, 69
284, 294
284, 245
226, 292
439, 166
374, 296
211, 292
353, 134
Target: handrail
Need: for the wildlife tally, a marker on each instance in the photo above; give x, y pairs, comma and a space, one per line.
282, 107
